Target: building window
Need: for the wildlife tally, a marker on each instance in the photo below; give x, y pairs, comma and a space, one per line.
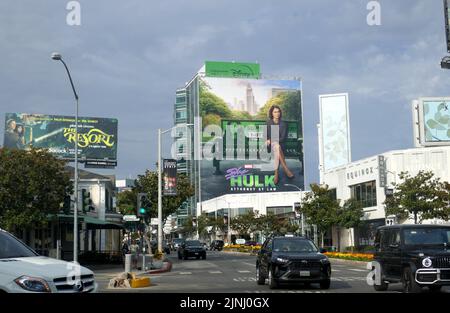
181, 99
279, 210
181, 114
365, 193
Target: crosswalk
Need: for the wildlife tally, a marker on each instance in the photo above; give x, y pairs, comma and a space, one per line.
246, 278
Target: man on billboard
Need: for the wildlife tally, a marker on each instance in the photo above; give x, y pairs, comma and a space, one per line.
11, 135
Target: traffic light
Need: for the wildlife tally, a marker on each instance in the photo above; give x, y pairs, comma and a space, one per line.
66, 204
143, 203
86, 202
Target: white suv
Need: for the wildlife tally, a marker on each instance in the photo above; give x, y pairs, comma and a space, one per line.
23, 270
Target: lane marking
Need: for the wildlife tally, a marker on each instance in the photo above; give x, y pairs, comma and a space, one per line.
357, 270
248, 264
243, 271
215, 272
185, 273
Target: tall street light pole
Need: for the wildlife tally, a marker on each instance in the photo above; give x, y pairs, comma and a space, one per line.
228, 220
161, 132
302, 217
58, 57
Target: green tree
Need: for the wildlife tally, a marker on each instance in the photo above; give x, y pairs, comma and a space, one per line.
212, 107
267, 224
289, 102
148, 183
349, 216
203, 224
420, 197
244, 224
320, 209
188, 228
33, 185
127, 201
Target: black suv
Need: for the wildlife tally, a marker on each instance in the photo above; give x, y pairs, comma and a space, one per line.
292, 260
191, 248
415, 255
217, 245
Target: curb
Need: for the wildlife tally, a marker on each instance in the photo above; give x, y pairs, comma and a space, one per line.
167, 267
349, 261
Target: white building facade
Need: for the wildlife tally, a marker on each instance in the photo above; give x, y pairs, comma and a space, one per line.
367, 181
278, 203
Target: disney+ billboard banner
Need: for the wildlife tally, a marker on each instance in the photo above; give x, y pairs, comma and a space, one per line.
97, 137
254, 131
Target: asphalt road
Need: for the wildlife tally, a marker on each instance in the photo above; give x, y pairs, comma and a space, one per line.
226, 272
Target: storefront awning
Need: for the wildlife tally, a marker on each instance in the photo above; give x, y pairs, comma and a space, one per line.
95, 223
91, 222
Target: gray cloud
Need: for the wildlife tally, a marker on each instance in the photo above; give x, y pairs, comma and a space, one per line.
127, 58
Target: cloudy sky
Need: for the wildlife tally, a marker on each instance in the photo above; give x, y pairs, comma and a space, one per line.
128, 57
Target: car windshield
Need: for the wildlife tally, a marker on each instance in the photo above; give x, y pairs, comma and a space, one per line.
285, 245
10, 247
193, 243
427, 236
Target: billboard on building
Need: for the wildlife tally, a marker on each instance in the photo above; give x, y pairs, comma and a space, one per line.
97, 137
170, 177
335, 130
434, 121
447, 22
236, 126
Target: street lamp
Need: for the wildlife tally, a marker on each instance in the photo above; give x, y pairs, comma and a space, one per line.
302, 217
228, 220
58, 57
160, 132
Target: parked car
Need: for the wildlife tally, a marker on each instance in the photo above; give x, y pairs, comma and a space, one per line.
176, 243
22, 270
415, 255
191, 248
292, 260
217, 245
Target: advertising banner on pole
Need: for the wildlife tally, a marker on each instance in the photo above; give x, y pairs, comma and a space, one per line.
170, 177
97, 137
335, 130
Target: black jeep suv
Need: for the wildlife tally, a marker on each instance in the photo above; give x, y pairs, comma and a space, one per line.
415, 255
292, 260
191, 248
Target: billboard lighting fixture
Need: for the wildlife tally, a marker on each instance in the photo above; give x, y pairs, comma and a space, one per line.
445, 63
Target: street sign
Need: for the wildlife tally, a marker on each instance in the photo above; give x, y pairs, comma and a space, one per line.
154, 221
130, 218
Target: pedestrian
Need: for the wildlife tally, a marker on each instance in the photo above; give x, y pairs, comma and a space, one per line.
125, 250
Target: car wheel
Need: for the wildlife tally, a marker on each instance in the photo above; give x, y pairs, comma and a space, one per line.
408, 282
272, 283
179, 256
325, 284
197, 257
185, 257
260, 279
383, 287
435, 288
204, 256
